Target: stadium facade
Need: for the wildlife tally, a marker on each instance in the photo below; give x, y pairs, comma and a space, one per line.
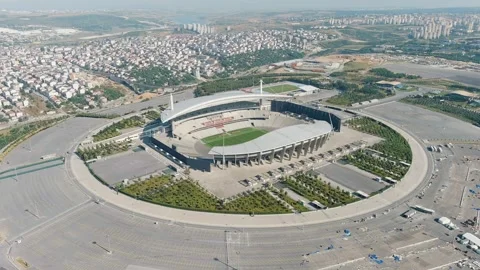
294, 129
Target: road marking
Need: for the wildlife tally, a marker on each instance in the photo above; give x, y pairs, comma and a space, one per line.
463, 196
52, 220
419, 243
447, 264
342, 263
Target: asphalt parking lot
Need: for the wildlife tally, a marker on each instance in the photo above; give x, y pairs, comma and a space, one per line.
349, 178
31, 199
426, 124
428, 72
126, 166
54, 140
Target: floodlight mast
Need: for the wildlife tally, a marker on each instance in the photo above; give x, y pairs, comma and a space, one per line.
261, 87
171, 101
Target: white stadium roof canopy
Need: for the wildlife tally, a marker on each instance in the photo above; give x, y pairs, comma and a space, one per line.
195, 104
276, 139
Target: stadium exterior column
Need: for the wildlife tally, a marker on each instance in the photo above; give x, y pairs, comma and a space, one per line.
324, 139
272, 156
246, 159
299, 150
259, 157
290, 152
305, 147
312, 144
282, 154
319, 142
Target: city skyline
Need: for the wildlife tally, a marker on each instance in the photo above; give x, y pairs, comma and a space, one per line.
215, 6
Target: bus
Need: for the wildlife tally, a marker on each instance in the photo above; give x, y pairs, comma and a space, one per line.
390, 181
361, 194
318, 205
423, 209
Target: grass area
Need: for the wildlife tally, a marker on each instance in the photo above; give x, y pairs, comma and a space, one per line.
378, 166
295, 204
280, 88
394, 146
313, 188
112, 94
256, 202
234, 137
152, 115
347, 98
184, 194
187, 194
102, 150
355, 66
114, 129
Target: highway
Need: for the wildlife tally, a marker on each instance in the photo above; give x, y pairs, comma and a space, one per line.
71, 221
154, 102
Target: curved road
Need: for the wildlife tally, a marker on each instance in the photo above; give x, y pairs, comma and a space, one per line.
79, 236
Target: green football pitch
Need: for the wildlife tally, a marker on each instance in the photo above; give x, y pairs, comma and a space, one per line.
234, 137
280, 88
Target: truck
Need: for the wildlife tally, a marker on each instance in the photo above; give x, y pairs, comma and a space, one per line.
409, 213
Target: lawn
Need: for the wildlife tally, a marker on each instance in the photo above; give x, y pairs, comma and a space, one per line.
355, 66
234, 137
280, 88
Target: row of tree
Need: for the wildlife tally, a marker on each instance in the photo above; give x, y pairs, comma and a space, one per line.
314, 188
351, 94
114, 129
394, 146
187, 194
437, 103
102, 150
18, 132
385, 73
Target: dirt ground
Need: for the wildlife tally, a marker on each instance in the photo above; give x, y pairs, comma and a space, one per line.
146, 96
101, 81
37, 106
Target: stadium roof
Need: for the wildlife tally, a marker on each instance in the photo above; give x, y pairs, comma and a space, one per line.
194, 104
276, 139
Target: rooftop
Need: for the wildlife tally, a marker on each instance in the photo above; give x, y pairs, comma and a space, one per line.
394, 83
276, 139
463, 93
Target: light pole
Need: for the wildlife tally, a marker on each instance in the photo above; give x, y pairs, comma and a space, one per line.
109, 245
223, 150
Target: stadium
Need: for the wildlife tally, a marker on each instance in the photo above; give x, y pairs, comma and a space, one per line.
239, 128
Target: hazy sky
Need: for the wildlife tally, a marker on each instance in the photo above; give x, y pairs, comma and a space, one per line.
230, 5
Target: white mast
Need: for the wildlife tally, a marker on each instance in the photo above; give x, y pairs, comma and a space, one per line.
171, 101
261, 87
